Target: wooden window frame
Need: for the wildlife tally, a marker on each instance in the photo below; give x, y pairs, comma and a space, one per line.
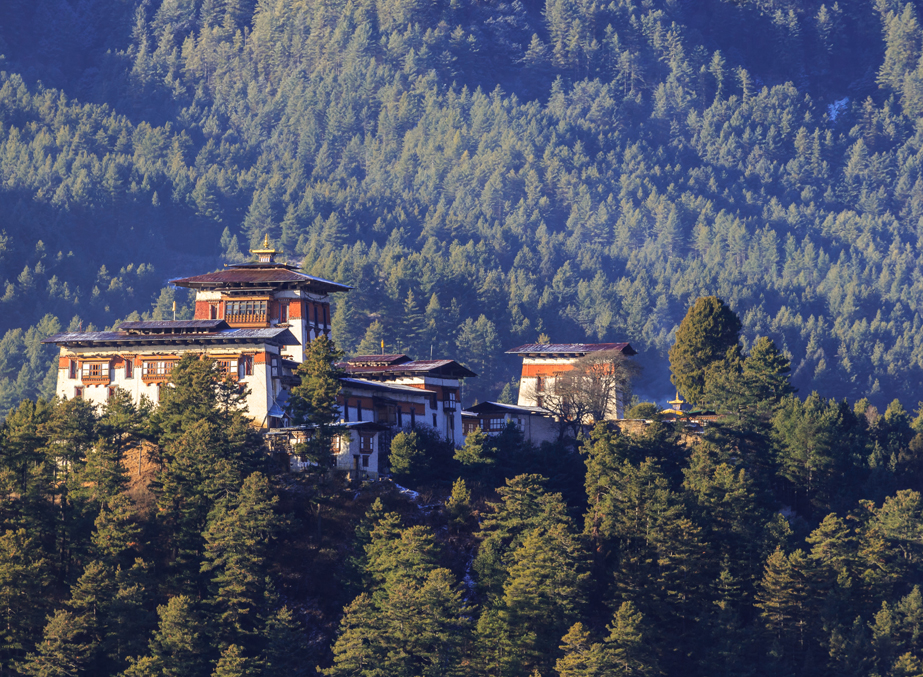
247, 311
95, 371
157, 371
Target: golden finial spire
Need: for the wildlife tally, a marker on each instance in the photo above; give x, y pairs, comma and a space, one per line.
266, 253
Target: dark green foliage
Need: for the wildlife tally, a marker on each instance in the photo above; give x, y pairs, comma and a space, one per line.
406, 454
542, 596
818, 449
525, 506
415, 622
25, 573
709, 330
645, 410
179, 645
623, 652
237, 541
481, 173
458, 504
314, 400
64, 650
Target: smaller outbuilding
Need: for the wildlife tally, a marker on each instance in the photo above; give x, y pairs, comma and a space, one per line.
537, 424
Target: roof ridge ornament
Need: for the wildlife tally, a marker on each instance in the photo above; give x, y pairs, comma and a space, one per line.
267, 253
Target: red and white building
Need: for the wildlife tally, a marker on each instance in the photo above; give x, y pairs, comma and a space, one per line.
266, 294
255, 320
434, 404
542, 363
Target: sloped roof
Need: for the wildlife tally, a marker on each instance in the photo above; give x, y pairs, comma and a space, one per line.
500, 407
569, 349
378, 360
274, 335
375, 386
244, 276
436, 368
173, 326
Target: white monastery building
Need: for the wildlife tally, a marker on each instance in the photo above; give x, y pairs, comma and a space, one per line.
254, 320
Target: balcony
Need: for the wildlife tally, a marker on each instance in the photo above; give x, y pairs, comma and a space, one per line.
94, 379
155, 378
249, 319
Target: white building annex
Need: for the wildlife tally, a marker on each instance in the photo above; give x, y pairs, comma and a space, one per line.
139, 357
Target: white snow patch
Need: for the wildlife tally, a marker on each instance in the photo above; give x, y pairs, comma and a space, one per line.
837, 107
410, 493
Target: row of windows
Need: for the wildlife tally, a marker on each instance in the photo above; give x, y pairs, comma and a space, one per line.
245, 308
100, 371
495, 424
317, 314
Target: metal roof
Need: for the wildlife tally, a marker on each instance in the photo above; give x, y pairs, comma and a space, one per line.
274, 335
381, 387
379, 360
173, 325
438, 368
570, 348
243, 276
490, 407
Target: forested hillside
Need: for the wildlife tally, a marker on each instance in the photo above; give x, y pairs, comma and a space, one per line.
481, 172
787, 541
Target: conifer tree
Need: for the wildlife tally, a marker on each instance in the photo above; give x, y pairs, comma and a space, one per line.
192, 398
788, 598
704, 336
285, 652
25, 574
314, 400
478, 454
525, 506
233, 663
236, 545
65, 649
458, 504
116, 528
179, 646
582, 657
407, 455
542, 596
129, 619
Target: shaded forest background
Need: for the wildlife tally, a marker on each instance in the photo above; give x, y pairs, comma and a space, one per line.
481, 172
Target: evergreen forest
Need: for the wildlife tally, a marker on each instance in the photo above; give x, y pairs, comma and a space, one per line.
482, 172
785, 541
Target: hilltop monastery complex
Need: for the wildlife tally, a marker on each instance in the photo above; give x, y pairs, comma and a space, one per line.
255, 319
